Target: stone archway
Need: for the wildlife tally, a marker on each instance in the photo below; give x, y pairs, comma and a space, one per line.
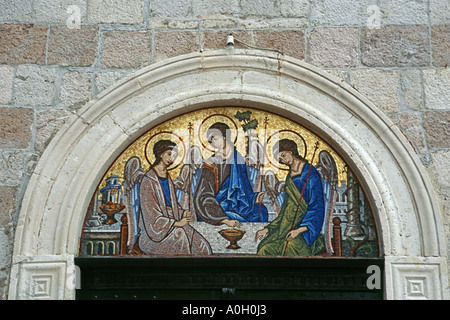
407, 214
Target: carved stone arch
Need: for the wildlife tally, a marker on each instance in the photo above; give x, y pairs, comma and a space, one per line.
58, 194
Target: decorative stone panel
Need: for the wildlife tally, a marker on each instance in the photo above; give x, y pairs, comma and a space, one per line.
43, 278
413, 278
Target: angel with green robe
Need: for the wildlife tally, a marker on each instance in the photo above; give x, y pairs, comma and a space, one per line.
296, 230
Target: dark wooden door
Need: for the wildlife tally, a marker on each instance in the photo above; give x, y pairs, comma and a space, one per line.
218, 278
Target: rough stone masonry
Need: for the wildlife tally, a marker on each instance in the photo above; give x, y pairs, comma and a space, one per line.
48, 69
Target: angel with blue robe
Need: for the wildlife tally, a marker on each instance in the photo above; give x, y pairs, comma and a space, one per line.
296, 231
224, 194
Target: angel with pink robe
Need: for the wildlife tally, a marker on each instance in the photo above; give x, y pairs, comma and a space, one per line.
163, 224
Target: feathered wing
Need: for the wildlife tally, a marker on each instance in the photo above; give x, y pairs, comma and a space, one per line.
254, 160
328, 173
187, 180
133, 174
274, 189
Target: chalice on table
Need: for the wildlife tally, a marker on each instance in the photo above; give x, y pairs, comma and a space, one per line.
232, 235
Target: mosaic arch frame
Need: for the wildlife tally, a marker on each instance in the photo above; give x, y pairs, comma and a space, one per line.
406, 210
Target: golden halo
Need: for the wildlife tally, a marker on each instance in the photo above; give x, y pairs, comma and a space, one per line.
165, 135
209, 121
284, 134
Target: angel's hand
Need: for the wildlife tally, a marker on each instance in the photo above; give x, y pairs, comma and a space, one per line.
261, 234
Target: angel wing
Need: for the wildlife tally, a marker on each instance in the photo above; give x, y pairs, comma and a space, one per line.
133, 174
274, 189
187, 180
327, 170
254, 159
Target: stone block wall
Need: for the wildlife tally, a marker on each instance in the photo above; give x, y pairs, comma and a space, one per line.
55, 55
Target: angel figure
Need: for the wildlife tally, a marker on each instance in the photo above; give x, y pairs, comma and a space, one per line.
162, 224
224, 194
296, 231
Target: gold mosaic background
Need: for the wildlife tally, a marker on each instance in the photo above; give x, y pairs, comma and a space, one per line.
189, 129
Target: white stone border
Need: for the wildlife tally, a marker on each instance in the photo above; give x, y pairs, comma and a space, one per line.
416, 278
59, 191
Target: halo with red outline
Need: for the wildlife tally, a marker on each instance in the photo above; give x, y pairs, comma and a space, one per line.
284, 134
166, 135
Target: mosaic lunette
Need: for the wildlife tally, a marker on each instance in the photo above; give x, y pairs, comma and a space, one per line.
242, 179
